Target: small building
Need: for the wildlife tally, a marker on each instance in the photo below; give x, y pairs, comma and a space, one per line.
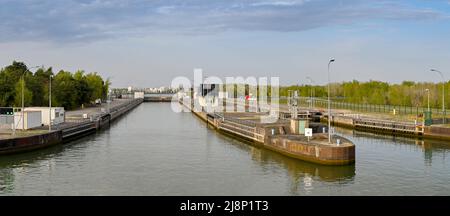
57, 114
6, 121
138, 95
30, 120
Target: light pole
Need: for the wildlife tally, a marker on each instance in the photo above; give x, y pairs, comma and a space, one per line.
329, 107
23, 100
50, 103
428, 92
108, 100
443, 93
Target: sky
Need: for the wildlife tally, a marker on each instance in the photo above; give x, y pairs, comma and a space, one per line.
147, 43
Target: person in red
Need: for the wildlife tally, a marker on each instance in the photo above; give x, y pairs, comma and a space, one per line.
247, 97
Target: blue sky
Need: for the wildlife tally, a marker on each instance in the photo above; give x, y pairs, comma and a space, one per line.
149, 42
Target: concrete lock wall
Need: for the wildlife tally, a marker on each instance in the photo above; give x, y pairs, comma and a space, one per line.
322, 154
342, 120
8, 146
437, 132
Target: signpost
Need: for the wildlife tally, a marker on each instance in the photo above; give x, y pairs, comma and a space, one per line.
308, 133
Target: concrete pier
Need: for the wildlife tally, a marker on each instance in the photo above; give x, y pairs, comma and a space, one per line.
372, 123
280, 138
75, 126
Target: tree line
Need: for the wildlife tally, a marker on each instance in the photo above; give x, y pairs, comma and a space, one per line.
69, 90
407, 93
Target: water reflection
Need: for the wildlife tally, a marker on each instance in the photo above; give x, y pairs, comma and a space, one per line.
427, 146
39, 156
44, 159
6, 180
153, 151
297, 169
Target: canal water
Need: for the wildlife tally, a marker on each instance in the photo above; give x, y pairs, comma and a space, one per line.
154, 151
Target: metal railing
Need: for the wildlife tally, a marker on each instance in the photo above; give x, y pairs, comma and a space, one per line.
378, 108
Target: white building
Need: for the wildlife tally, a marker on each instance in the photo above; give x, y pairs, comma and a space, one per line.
31, 119
57, 114
138, 95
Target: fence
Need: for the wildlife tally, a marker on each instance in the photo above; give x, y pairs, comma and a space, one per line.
379, 108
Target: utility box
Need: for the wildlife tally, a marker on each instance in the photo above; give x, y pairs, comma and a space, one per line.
30, 120
428, 118
57, 114
298, 126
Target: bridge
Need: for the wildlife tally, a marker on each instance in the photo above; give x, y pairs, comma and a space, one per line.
158, 97
163, 97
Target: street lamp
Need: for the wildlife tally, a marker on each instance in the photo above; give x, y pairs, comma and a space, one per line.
329, 107
428, 92
50, 103
311, 91
23, 101
443, 93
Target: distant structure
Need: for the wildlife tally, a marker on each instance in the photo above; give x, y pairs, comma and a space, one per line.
138, 95
134, 92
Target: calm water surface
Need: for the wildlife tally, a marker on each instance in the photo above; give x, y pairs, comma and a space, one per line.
154, 151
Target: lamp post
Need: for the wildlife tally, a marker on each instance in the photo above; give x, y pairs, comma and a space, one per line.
108, 100
329, 106
50, 103
23, 100
443, 93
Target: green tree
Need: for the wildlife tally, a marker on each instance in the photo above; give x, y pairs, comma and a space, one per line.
27, 94
96, 85
65, 90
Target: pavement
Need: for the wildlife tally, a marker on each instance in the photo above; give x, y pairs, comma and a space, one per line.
92, 111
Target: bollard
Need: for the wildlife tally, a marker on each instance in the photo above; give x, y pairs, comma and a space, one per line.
338, 142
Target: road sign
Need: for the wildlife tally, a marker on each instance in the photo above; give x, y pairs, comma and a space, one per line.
6, 111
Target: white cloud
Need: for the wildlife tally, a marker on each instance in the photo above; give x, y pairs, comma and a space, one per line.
82, 20
278, 3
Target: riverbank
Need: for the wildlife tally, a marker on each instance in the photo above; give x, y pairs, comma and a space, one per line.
75, 126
